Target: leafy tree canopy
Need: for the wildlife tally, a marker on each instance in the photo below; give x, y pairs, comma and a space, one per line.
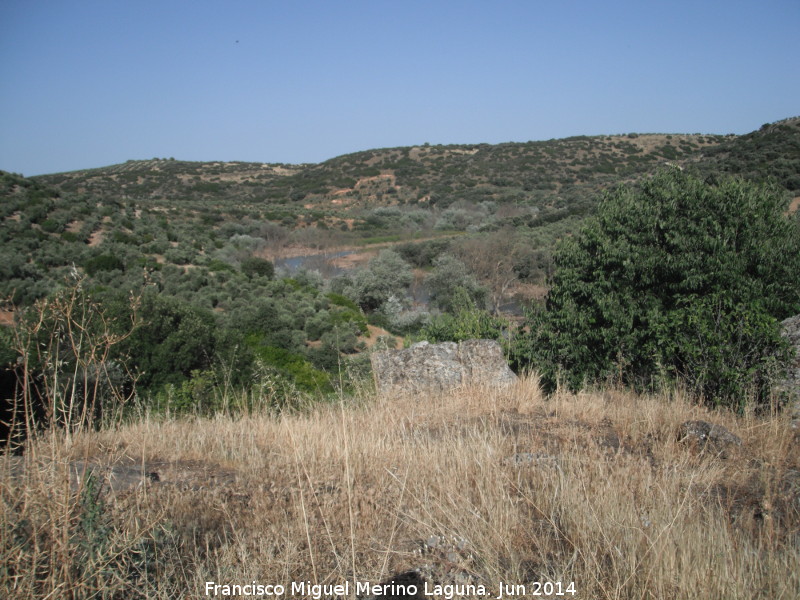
254, 266
678, 280
172, 339
387, 275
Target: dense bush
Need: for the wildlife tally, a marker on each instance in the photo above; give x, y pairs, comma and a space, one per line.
253, 266
679, 280
103, 262
466, 322
387, 275
422, 254
296, 368
172, 340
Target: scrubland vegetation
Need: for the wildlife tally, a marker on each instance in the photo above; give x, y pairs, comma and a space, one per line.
181, 408
479, 485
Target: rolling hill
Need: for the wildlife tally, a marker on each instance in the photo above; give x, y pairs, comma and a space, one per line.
157, 212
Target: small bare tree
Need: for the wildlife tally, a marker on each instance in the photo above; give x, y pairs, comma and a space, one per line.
491, 260
67, 375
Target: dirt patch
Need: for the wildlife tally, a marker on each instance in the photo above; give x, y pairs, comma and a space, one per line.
74, 227
388, 178
127, 474
293, 251
6, 317
375, 333
530, 291
795, 204
96, 237
351, 261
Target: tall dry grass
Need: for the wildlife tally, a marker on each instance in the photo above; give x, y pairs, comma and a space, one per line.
477, 486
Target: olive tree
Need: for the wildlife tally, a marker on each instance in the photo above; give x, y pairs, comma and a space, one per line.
386, 275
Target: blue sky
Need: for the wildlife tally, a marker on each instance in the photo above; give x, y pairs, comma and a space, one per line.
86, 84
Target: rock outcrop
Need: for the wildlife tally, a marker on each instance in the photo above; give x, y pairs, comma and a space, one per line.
790, 329
426, 367
710, 437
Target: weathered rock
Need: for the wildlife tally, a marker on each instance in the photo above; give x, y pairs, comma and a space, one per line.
526, 459
708, 436
790, 329
439, 367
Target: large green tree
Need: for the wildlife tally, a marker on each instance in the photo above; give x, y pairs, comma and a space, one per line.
173, 339
675, 280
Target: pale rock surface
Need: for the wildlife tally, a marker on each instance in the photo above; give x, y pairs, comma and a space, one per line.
790, 329
426, 367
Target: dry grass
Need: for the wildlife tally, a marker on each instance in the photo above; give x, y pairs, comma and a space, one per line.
476, 486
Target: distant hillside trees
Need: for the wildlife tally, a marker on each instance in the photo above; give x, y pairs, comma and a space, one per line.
679, 280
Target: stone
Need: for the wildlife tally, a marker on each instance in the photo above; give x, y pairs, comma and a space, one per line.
523, 459
426, 367
790, 387
708, 437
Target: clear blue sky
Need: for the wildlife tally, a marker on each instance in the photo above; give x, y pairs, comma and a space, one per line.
91, 83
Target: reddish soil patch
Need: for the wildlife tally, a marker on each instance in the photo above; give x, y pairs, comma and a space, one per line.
794, 206
6, 317
96, 237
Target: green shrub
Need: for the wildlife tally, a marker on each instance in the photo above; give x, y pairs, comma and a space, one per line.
198, 394
103, 262
343, 316
467, 322
451, 283
52, 226
318, 324
680, 280
123, 237
253, 266
386, 275
215, 265
296, 368
172, 340
340, 300
69, 236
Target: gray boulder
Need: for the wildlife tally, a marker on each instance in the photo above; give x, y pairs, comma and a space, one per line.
710, 437
790, 329
426, 367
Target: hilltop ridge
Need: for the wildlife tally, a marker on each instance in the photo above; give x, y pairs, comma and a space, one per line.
529, 172
193, 214
561, 174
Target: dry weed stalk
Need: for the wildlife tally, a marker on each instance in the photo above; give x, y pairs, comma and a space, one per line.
477, 485
59, 537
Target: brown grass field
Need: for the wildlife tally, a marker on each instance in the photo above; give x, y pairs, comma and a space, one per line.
475, 487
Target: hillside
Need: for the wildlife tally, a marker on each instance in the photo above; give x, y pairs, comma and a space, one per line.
772, 151
554, 178
203, 236
209, 414
545, 174
168, 211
